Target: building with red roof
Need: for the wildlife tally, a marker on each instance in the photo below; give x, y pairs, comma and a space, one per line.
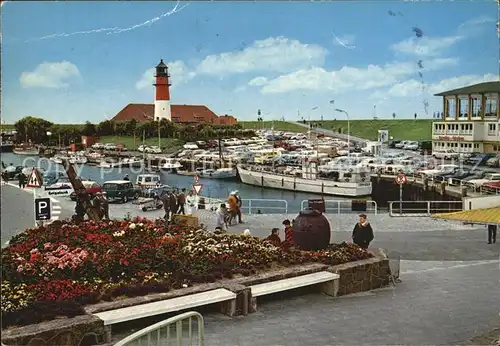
162, 109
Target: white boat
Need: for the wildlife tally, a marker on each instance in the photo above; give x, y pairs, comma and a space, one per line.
349, 182
132, 162
78, 160
58, 159
170, 164
221, 173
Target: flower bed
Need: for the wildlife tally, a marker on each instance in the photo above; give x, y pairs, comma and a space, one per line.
54, 271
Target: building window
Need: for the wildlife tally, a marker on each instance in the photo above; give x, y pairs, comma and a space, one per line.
492, 128
450, 109
476, 146
476, 107
491, 107
463, 108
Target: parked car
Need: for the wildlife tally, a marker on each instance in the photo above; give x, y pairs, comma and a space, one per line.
425, 147
440, 169
142, 148
91, 187
446, 154
478, 160
456, 177
412, 145
122, 190
493, 161
109, 146
153, 150
190, 145
97, 146
477, 183
392, 144
401, 144
492, 187
11, 172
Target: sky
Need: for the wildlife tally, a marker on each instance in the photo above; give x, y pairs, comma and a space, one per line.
69, 62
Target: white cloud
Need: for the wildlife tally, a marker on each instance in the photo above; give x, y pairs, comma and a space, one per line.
258, 81
350, 78
272, 54
425, 46
474, 23
49, 75
179, 74
413, 87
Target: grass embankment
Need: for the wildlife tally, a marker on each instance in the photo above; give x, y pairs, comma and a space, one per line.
278, 126
405, 129
169, 145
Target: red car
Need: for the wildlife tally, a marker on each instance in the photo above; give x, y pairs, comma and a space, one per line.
91, 187
492, 187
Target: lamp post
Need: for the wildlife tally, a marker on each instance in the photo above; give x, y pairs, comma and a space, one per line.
348, 128
309, 117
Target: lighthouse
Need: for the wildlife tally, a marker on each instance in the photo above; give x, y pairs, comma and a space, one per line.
162, 95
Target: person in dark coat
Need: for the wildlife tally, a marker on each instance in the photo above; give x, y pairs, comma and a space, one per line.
181, 201
362, 234
165, 198
173, 203
492, 234
22, 180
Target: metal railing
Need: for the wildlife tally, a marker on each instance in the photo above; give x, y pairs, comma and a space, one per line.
423, 208
264, 206
153, 333
342, 206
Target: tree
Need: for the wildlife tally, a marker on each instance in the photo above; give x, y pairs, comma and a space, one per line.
32, 128
89, 129
105, 128
393, 115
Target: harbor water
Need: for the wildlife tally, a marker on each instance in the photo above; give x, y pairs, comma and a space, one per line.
213, 188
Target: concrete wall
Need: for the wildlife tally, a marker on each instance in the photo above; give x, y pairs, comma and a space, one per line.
471, 203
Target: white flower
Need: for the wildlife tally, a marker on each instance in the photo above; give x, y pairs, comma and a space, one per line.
184, 285
141, 224
132, 226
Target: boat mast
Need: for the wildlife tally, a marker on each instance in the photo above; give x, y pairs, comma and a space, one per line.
272, 134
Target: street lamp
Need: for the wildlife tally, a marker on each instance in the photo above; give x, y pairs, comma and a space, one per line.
309, 117
348, 129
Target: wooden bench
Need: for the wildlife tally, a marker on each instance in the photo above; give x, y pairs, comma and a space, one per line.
327, 282
225, 298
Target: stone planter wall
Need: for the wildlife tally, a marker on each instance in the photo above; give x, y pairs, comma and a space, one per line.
87, 330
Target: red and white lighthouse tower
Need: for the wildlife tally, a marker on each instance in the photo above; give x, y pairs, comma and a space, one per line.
162, 97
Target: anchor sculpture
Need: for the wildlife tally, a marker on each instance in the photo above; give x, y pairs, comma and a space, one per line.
84, 204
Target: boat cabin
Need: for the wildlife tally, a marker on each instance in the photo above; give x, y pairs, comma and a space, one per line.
147, 179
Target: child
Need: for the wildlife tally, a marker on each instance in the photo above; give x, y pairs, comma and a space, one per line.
221, 217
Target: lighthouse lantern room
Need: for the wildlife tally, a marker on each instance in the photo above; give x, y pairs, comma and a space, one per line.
162, 97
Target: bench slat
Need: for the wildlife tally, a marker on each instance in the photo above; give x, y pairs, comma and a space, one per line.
292, 283
164, 306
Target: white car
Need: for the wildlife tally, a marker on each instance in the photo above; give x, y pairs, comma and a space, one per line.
441, 169
190, 145
488, 178
411, 146
97, 146
142, 148
153, 150
401, 144
446, 154
109, 146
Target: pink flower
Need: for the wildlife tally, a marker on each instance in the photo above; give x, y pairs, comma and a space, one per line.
47, 245
33, 251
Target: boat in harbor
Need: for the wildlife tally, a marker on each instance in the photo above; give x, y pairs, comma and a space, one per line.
345, 181
6, 146
170, 164
220, 173
25, 150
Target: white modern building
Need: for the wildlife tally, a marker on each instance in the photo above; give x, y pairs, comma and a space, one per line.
470, 121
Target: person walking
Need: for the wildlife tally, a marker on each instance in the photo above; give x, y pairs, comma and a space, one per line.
191, 202
492, 234
165, 198
220, 221
104, 205
362, 234
173, 204
181, 201
96, 203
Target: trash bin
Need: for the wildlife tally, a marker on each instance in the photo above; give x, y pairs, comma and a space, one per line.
317, 204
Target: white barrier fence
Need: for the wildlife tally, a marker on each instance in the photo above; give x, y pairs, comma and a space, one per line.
160, 333
423, 208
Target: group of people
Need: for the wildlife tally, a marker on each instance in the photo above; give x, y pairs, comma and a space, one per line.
99, 202
225, 215
362, 234
178, 202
